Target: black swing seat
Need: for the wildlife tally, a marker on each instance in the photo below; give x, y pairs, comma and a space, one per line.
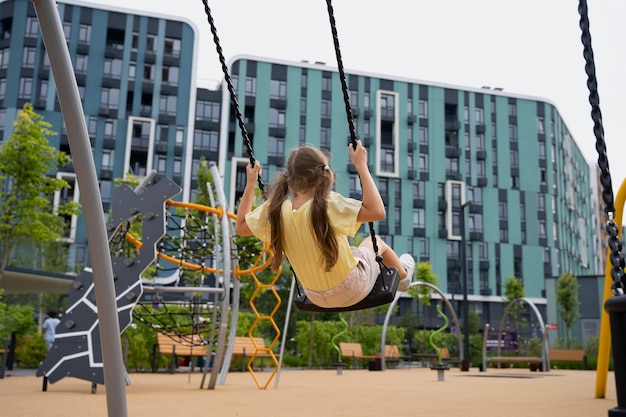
383, 293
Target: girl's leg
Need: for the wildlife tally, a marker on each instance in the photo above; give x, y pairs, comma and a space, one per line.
390, 258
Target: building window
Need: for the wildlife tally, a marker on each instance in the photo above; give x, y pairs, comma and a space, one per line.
423, 163
419, 218
302, 135
108, 158
513, 133
208, 110
479, 140
169, 75
206, 140
148, 72
250, 86
28, 58
32, 27
84, 34
110, 127
277, 118
326, 109
26, 88
541, 202
502, 211
303, 79
151, 43
4, 58
325, 138
327, 83
275, 146
172, 47
110, 98
542, 150
303, 106
424, 253
43, 89
423, 109
512, 109
112, 68
3, 90
452, 167
514, 158
81, 64
483, 251
180, 136
540, 125
278, 89
67, 30
480, 169
542, 229
168, 104
423, 135
387, 143
479, 117
161, 164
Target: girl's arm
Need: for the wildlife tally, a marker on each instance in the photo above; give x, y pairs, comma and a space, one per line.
245, 204
373, 208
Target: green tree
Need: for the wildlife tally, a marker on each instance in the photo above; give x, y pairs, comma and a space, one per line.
424, 273
567, 302
27, 189
513, 288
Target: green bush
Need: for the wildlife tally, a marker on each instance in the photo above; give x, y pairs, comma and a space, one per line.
30, 351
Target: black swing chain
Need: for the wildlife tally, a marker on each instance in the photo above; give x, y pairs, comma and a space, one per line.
615, 245
346, 99
233, 96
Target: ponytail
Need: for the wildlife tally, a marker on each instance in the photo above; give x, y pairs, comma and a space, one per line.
324, 233
278, 194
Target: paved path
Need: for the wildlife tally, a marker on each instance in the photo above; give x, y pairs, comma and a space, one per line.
323, 393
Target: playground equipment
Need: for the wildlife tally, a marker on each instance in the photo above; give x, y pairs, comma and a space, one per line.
517, 334
443, 299
440, 366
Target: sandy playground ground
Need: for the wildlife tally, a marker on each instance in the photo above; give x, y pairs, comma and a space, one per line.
323, 393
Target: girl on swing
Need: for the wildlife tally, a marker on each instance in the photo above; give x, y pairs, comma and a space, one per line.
309, 224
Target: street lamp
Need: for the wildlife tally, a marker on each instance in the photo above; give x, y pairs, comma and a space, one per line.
465, 363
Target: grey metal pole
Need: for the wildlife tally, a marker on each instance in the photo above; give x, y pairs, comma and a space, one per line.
69, 99
465, 363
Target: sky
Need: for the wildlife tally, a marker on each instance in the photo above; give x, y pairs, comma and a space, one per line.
527, 47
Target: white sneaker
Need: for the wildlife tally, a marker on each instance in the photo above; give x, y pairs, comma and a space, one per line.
408, 263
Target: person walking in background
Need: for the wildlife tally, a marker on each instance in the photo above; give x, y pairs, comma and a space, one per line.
49, 328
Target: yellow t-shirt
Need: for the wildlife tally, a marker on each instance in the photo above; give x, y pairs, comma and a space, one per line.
299, 239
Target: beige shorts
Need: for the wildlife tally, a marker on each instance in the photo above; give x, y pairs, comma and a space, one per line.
355, 287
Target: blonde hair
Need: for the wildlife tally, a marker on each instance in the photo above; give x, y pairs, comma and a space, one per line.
306, 167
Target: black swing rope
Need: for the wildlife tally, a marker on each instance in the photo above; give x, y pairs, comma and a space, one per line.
615, 306
617, 260
233, 96
383, 292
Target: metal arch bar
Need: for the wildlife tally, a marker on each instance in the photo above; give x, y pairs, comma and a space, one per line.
84, 166
544, 341
395, 301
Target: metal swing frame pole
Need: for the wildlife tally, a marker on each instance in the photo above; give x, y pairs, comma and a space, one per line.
69, 99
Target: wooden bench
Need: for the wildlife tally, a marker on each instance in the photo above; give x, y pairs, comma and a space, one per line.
446, 358
532, 361
245, 347
568, 355
174, 345
392, 355
354, 351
